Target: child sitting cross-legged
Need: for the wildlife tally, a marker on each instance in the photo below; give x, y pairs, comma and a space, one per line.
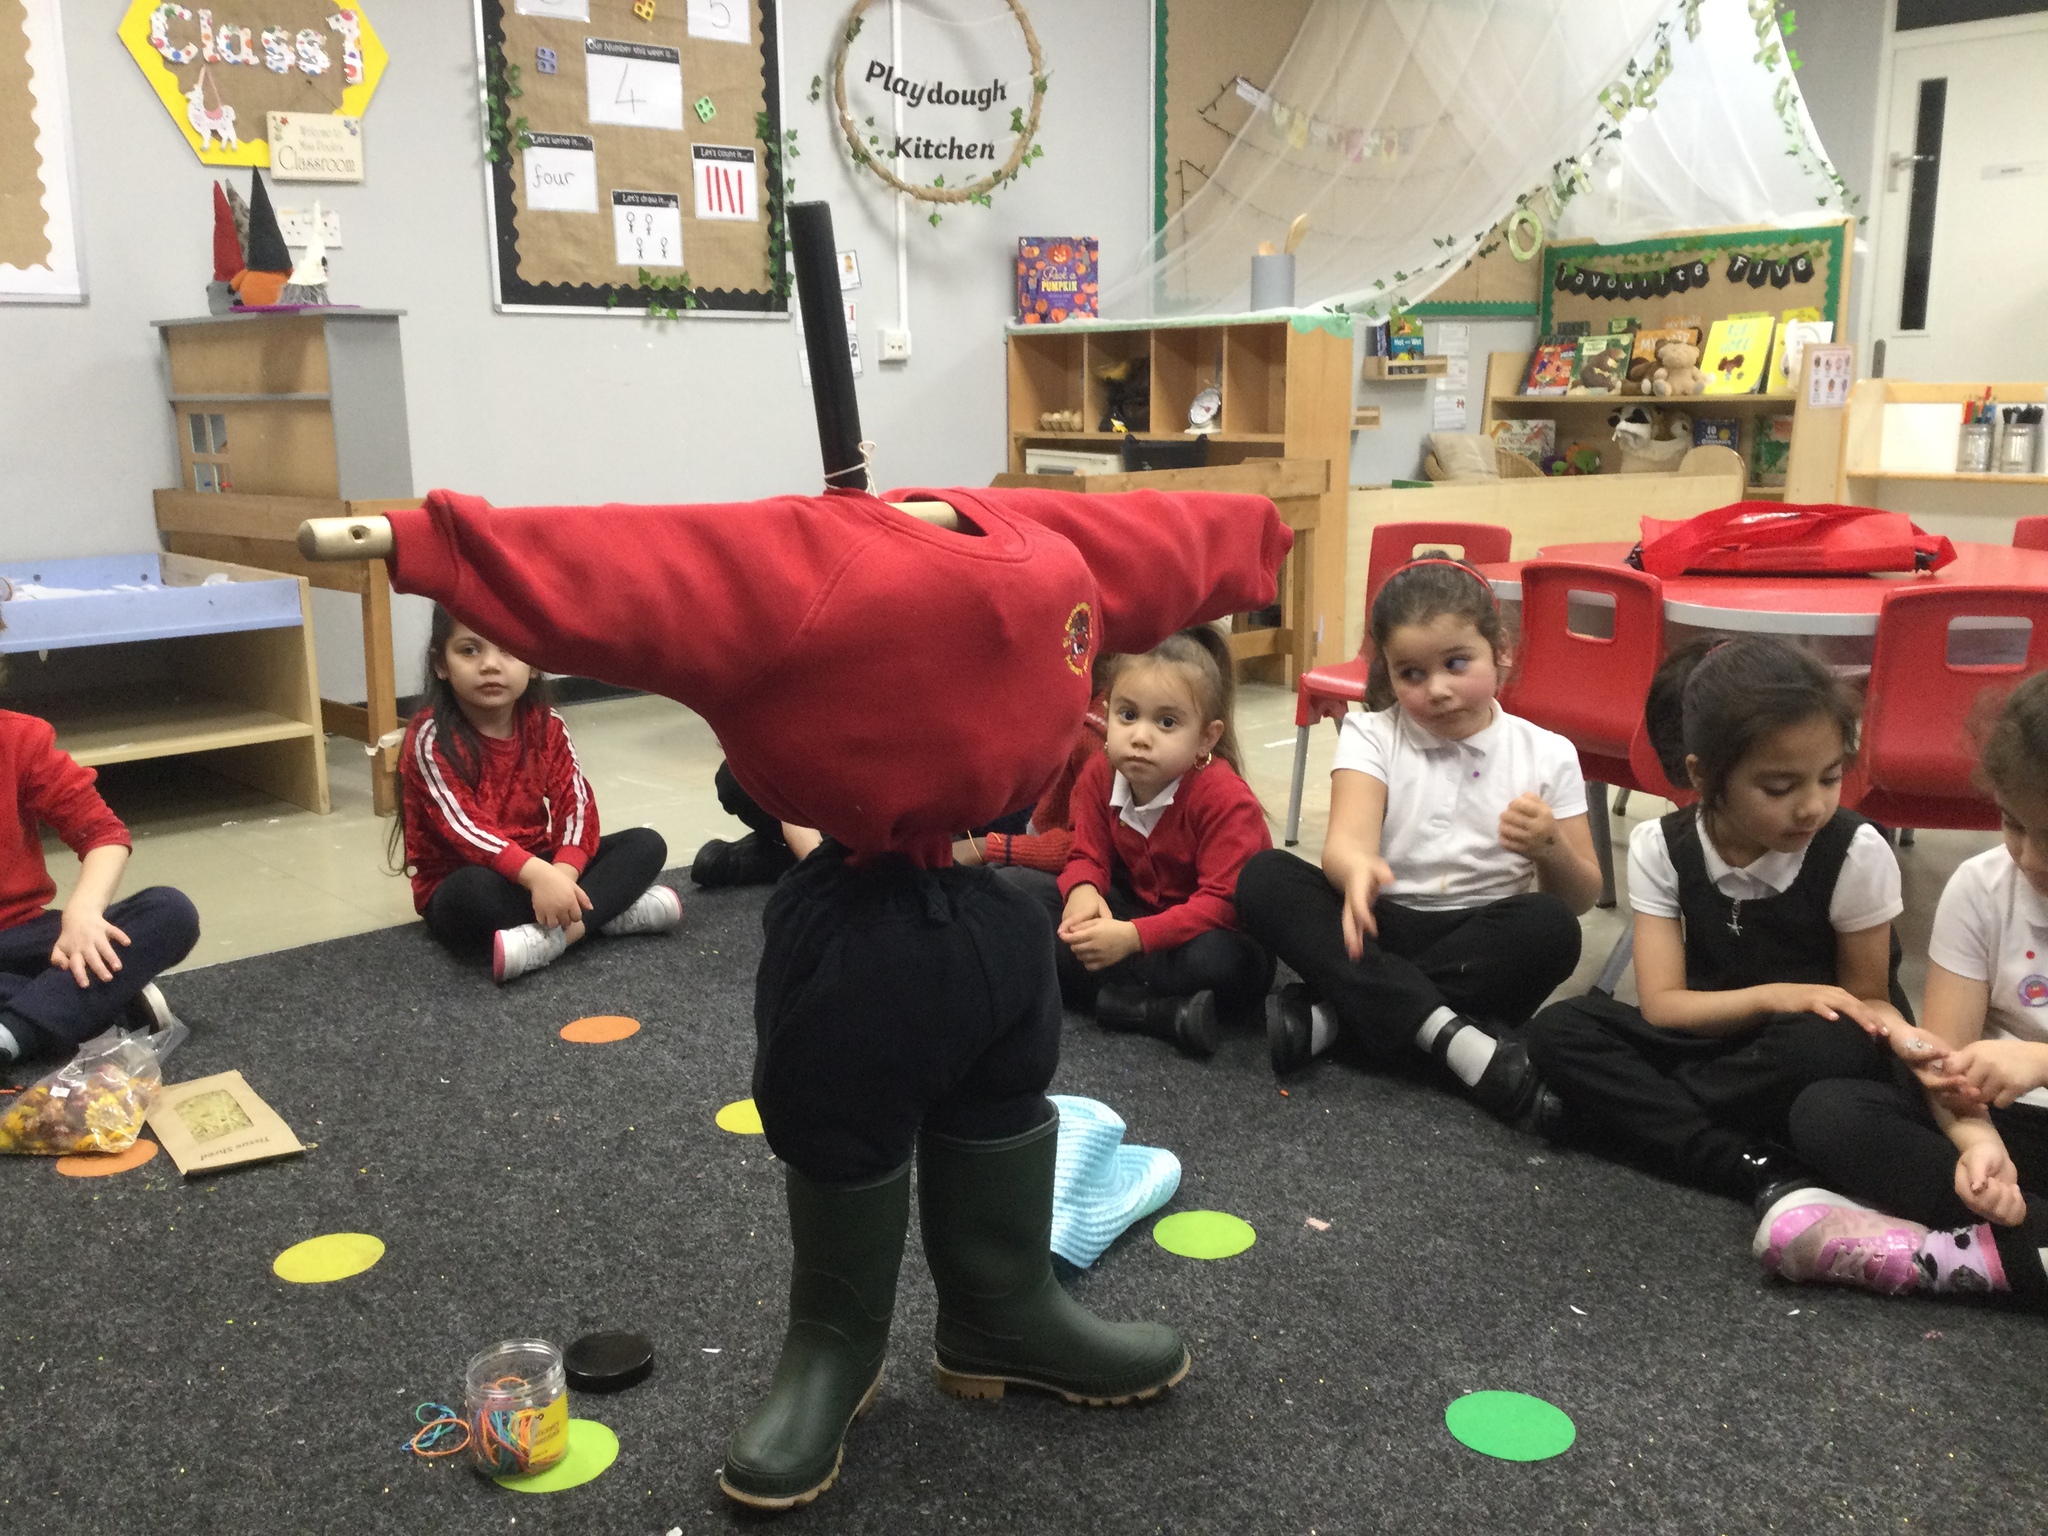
499, 824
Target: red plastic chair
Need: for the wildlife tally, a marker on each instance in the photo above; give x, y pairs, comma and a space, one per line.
1590, 689
1916, 764
2030, 533
1327, 693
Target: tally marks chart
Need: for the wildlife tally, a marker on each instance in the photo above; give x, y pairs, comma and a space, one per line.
625, 169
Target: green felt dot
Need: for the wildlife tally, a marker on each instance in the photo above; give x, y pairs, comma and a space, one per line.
1204, 1234
1512, 1426
592, 1449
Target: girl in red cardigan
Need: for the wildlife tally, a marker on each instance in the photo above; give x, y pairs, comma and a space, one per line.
1163, 823
499, 824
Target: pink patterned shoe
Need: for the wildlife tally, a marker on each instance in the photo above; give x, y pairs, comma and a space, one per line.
1842, 1244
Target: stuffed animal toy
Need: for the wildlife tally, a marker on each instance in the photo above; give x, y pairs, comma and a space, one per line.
1678, 370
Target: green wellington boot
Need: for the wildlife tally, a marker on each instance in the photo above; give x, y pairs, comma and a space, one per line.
842, 1290
1003, 1319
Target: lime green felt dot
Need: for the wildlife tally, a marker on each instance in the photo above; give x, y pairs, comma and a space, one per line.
741, 1117
319, 1260
1512, 1426
592, 1449
1204, 1234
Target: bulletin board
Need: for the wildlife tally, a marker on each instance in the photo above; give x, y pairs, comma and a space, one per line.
1201, 48
1823, 284
634, 145
39, 261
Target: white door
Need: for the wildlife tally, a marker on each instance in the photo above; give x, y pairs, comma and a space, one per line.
1961, 274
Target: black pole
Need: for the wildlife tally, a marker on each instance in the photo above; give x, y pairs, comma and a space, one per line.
816, 259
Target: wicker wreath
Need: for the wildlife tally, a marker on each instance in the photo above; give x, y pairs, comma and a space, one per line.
863, 155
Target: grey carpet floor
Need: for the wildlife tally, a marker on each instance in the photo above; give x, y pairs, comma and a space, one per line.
157, 1377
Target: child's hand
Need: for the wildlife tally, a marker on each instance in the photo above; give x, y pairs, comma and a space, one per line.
1527, 827
558, 901
1100, 942
1999, 1071
1084, 904
1928, 1058
1988, 1184
85, 946
1828, 1002
1359, 895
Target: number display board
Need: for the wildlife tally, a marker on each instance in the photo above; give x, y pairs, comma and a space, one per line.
633, 145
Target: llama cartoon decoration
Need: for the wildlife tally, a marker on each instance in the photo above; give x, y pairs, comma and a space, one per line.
222, 68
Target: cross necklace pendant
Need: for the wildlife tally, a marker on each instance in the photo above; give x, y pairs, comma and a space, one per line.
1735, 917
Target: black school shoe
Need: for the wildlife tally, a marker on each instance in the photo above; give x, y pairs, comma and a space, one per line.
1765, 1174
750, 860
1189, 1022
1290, 1029
1509, 1088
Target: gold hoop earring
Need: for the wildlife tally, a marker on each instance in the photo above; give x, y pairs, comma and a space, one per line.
1203, 761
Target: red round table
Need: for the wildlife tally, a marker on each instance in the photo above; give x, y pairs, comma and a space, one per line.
1792, 605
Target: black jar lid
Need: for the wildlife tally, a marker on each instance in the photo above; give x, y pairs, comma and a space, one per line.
608, 1362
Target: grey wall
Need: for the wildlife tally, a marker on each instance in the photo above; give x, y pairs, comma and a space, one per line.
541, 409
1841, 58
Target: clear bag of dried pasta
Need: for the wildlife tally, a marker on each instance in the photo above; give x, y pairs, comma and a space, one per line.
95, 1102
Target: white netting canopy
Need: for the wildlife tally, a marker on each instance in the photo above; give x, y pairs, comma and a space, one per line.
1407, 129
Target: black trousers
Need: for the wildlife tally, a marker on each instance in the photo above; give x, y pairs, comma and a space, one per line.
892, 997
1690, 1104
45, 1007
1226, 961
1495, 963
1877, 1142
472, 904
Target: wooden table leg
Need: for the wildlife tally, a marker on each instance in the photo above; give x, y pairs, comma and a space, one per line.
381, 685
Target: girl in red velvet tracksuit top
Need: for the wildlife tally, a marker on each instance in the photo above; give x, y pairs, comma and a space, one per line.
1163, 825
902, 1003
500, 826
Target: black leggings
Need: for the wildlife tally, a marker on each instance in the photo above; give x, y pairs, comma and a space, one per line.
1494, 963
472, 904
892, 997
1689, 1103
1878, 1143
1226, 961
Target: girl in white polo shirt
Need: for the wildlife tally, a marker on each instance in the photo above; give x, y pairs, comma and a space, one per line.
1961, 1159
1763, 940
1455, 866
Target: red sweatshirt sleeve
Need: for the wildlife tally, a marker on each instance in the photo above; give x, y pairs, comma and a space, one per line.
1093, 856
56, 791
1163, 561
1228, 828
443, 810
572, 808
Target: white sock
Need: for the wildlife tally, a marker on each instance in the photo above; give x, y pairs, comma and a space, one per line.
1434, 1025
1322, 1028
1466, 1053
10, 1048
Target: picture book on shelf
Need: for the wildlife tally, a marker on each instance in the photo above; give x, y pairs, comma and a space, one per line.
1056, 279
1716, 432
1797, 330
1771, 450
1550, 366
1602, 364
1648, 340
1404, 336
1535, 440
1737, 349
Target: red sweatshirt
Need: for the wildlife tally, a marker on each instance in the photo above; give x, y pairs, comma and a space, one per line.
1187, 869
799, 627
530, 801
47, 787
1053, 816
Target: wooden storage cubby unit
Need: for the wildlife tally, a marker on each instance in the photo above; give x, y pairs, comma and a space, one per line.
284, 416
1880, 469
1582, 419
1286, 385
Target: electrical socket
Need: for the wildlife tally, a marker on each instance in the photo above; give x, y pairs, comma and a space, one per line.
296, 224
895, 346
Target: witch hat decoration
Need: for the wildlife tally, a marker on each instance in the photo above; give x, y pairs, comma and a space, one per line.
227, 255
308, 281
270, 260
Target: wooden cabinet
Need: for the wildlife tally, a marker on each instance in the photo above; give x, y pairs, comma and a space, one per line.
1899, 452
281, 417
1286, 388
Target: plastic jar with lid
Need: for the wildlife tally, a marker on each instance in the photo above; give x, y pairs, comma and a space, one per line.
516, 1398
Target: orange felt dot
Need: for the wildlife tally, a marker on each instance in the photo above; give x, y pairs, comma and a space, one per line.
97, 1165
600, 1028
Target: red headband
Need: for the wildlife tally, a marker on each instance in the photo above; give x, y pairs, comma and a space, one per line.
1456, 565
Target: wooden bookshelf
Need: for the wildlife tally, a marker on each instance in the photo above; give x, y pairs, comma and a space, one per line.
1880, 469
1287, 394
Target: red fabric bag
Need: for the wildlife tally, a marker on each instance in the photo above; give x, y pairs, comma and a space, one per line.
1789, 539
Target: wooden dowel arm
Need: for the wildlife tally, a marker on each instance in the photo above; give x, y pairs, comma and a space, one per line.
346, 538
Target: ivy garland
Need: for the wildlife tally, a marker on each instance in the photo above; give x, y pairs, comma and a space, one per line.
503, 133
780, 187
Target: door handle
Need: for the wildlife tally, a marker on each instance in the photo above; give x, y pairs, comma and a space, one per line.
1900, 162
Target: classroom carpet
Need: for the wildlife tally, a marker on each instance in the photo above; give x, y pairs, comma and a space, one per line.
159, 1377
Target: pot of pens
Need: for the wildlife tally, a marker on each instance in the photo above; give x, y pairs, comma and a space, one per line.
516, 1404
2019, 444
1973, 448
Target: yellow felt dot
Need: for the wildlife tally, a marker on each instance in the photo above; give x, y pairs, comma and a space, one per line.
335, 1256
741, 1118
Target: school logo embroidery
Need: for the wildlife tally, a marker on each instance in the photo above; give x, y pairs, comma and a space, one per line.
2034, 991
1080, 638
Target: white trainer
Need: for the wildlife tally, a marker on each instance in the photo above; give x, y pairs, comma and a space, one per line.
658, 909
515, 951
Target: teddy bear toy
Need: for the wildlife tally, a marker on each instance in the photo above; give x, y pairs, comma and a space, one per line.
1678, 370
